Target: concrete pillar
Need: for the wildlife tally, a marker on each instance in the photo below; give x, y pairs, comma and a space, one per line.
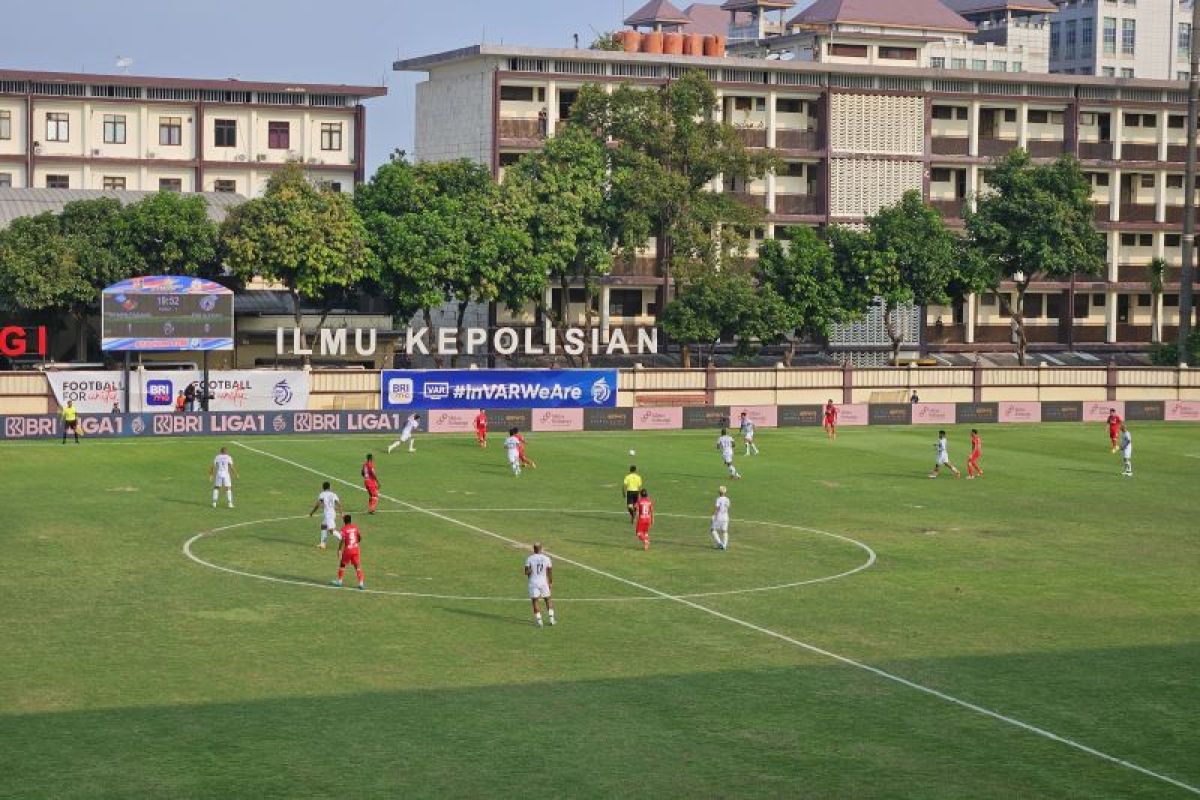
1160, 194
1163, 136
1114, 196
969, 317
605, 294
973, 137
1114, 255
1118, 132
771, 122
1023, 125
1110, 317
551, 107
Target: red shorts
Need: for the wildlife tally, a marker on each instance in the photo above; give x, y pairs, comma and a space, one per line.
975, 454
1113, 433
830, 421
643, 527
372, 487
481, 433
350, 557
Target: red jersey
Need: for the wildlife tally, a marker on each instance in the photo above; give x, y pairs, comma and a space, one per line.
350, 538
368, 471
976, 445
481, 422
644, 508
1114, 421
830, 412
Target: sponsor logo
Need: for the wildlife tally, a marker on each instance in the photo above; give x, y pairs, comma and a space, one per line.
16, 341
138, 426
281, 393
279, 423
400, 391
435, 390
601, 392
159, 393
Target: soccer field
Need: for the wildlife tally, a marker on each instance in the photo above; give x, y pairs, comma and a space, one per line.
869, 632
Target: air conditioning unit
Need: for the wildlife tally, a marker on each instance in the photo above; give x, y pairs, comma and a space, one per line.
95, 151
261, 157
241, 157
149, 154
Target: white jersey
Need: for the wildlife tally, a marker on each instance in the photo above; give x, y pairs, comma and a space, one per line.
410, 427
747, 429
539, 565
1126, 444
512, 446
720, 519
725, 443
943, 456
222, 465
329, 503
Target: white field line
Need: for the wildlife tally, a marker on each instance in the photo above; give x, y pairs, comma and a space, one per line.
978, 709
187, 551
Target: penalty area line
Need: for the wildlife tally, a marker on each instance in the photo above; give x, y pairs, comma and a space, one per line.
781, 637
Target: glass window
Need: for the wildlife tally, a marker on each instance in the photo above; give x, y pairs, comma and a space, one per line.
170, 184
1081, 306
958, 63
999, 66
1034, 307
58, 127
225, 133
170, 131
114, 129
1183, 39
1087, 35
937, 62
224, 185
331, 136
979, 64
114, 183
1128, 37
1108, 72
849, 50
519, 93
625, 302
898, 53
1174, 181
1018, 66
5, 180
1070, 40
1126, 72
1054, 306
279, 135
5, 124
58, 182
1055, 39
1110, 36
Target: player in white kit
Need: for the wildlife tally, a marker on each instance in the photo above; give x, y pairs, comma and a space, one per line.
746, 426
222, 473
512, 449
720, 520
330, 505
540, 571
407, 435
943, 457
1126, 445
725, 445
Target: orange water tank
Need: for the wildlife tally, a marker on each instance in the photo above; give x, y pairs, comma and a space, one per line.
710, 45
631, 41
673, 44
652, 42
693, 44
719, 44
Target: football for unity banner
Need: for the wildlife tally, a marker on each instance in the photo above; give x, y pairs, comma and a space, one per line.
498, 388
95, 392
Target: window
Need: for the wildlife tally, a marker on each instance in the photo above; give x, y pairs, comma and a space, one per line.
1087, 118
1147, 180
1143, 300
1171, 300
224, 185
848, 50
1128, 36
1038, 116
58, 182
1108, 72
170, 184
114, 129
225, 133
5, 124
1183, 39
958, 63
1110, 36
1174, 181
279, 135
5, 180
1018, 66
793, 169
1070, 40
1055, 40
1010, 115
1087, 35
523, 94
1183, 76
787, 105
1176, 121
1098, 300
1081, 306
898, 53
1126, 72
1054, 306
999, 66
625, 302
331, 136
58, 127
1141, 120
114, 183
1034, 307
937, 62
170, 131
979, 64
1100, 179
941, 175
943, 112
331, 186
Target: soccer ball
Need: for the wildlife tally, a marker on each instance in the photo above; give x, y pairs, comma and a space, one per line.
633, 452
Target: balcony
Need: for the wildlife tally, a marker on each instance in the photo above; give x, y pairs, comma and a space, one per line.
951, 145
1137, 212
793, 139
748, 199
951, 209
1131, 151
521, 129
1096, 151
1102, 212
753, 137
1045, 148
1177, 153
638, 267
799, 205
992, 146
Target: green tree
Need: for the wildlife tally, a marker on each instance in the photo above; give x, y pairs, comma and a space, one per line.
442, 232
804, 274
309, 240
168, 233
666, 147
1034, 223
724, 305
917, 261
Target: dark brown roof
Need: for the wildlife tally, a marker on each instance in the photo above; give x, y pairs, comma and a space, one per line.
979, 6
228, 84
923, 14
657, 12
706, 18
750, 5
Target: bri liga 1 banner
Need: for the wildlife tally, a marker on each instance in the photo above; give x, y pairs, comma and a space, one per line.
498, 388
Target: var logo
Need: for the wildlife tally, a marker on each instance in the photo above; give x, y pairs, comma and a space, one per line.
159, 393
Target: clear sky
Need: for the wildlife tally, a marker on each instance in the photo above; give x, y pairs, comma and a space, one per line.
328, 41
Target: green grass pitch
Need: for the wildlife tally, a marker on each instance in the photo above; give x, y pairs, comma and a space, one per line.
1053, 598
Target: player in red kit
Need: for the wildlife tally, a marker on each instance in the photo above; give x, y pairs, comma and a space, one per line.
831, 415
481, 428
644, 515
973, 468
371, 482
1114, 427
349, 549
525, 461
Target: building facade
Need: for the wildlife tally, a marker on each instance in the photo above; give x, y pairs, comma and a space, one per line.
1122, 38
855, 138
121, 132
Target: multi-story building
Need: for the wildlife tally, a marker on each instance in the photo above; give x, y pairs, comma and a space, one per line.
1122, 38
121, 132
856, 137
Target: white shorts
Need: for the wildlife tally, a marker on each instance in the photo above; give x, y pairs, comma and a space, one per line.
727, 457
1127, 453
943, 460
720, 524
223, 482
405, 436
749, 437
329, 522
513, 458
539, 589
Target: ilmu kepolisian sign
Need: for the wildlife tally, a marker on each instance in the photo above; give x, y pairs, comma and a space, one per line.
469, 341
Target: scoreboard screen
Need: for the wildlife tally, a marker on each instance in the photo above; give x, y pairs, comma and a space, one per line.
171, 314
